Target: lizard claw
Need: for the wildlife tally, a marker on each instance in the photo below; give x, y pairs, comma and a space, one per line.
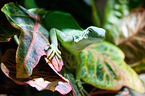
53, 51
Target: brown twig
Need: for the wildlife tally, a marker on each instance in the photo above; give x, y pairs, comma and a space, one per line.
103, 92
92, 90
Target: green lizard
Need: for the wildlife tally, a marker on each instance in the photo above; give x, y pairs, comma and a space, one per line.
64, 29
74, 40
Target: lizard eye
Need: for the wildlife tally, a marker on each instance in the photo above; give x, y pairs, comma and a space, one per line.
90, 30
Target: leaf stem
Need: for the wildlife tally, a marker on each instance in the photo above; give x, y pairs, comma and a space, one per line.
95, 14
130, 37
16, 39
103, 92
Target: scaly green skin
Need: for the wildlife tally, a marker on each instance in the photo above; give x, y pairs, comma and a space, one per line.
74, 41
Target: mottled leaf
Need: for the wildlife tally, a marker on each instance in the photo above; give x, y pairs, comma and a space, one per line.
129, 35
104, 67
8, 66
135, 93
129, 27
43, 77
33, 39
6, 32
46, 77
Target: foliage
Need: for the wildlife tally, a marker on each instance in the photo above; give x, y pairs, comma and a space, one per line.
104, 66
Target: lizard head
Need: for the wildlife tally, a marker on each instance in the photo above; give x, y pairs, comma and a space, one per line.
93, 33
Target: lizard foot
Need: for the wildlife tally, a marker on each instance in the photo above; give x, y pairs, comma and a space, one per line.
52, 51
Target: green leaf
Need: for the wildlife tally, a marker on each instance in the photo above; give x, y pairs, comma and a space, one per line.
135, 93
43, 78
78, 8
95, 15
33, 39
30, 4
104, 67
114, 10
6, 32
60, 20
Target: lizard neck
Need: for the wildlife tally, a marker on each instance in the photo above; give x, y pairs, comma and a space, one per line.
82, 44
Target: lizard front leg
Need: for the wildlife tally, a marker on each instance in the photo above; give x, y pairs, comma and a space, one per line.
53, 47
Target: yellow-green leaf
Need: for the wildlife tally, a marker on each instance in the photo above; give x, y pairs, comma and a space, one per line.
103, 66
